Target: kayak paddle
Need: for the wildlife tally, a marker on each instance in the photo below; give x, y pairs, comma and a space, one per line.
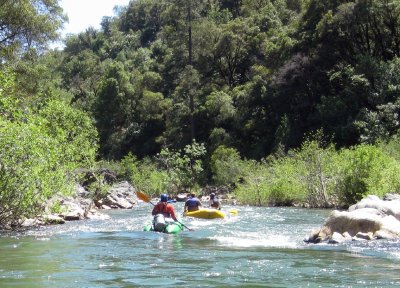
233, 211
142, 196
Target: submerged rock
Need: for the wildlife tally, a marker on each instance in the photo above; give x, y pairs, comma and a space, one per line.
371, 218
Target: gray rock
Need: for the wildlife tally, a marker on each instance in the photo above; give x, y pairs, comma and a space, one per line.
365, 236
386, 207
31, 222
116, 201
371, 218
120, 195
53, 219
391, 197
336, 238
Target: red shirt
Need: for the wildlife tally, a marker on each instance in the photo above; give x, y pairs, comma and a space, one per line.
164, 208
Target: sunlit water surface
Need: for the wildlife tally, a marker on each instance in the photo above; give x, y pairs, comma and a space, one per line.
260, 247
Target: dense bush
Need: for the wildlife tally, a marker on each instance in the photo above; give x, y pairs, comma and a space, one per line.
318, 170
318, 176
39, 151
184, 167
367, 169
29, 170
144, 175
225, 165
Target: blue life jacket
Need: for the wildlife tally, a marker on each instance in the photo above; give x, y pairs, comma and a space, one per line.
192, 202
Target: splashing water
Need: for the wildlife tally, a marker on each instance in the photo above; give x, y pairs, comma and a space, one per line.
258, 247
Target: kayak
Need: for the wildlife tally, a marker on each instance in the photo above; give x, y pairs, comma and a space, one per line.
205, 213
171, 227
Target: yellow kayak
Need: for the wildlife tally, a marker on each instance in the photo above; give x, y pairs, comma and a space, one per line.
205, 213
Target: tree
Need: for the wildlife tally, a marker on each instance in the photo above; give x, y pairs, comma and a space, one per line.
27, 24
81, 73
184, 167
114, 109
179, 120
231, 52
144, 17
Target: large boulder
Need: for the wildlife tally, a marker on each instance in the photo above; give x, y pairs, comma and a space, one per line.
391, 207
121, 195
371, 218
74, 208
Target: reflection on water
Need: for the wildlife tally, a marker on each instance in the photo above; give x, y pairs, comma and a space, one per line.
258, 247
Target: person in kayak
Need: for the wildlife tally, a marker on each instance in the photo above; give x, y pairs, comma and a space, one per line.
163, 207
192, 204
214, 202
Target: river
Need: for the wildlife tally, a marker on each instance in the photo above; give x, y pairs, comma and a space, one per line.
260, 247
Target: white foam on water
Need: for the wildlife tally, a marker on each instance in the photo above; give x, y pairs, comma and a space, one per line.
103, 265
395, 254
277, 241
43, 238
203, 222
211, 274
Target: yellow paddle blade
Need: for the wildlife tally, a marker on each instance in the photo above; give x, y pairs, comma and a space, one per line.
233, 211
143, 196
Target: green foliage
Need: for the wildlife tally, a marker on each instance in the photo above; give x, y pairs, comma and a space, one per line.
316, 175
367, 170
56, 208
39, 149
113, 108
218, 137
257, 76
144, 175
81, 72
261, 74
391, 147
184, 167
27, 24
286, 184
8, 102
29, 170
254, 189
220, 105
276, 182
73, 130
225, 165
382, 122
271, 183
318, 170
184, 98
128, 167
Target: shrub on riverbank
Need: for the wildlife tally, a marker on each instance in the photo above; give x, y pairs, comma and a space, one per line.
316, 176
40, 147
367, 169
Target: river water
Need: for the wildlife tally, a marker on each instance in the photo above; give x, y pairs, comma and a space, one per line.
260, 247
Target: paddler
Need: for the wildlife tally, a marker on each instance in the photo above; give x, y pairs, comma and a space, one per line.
192, 204
214, 202
163, 207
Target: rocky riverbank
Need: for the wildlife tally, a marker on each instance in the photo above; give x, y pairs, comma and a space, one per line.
79, 206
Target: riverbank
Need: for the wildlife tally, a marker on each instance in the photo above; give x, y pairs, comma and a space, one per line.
80, 206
